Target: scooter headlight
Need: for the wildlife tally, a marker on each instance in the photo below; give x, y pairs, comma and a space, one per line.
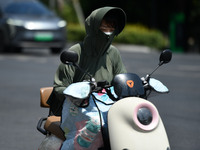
146, 116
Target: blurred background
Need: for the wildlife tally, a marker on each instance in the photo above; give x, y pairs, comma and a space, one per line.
156, 23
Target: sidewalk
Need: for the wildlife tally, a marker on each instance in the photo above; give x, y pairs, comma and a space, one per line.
133, 48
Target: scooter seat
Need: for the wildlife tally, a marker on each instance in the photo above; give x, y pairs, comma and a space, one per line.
44, 95
52, 125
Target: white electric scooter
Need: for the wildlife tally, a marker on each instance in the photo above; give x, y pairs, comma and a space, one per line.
133, 122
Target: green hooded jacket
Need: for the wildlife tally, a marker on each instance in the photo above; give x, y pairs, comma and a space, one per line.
96, 56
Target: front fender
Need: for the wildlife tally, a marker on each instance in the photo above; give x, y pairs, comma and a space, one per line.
126, 132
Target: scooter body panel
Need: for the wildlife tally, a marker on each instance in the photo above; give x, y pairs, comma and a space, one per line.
126, 132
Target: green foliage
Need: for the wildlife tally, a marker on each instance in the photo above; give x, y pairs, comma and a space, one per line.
68, 13
140, 35
75, 32
132, 34
65, 11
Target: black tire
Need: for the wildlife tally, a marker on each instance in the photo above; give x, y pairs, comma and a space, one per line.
2, 44
56, 50
17, 49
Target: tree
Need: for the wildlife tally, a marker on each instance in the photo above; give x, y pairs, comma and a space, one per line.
79, 12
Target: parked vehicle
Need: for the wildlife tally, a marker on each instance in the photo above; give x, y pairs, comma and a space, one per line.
29, 24
133, 122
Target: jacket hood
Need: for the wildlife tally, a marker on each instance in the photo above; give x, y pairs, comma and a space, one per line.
96, 43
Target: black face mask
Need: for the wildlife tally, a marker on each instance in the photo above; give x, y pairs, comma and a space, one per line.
102, 42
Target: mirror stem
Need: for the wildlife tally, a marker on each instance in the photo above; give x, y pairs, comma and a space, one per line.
154, 70
77, 66
161, 63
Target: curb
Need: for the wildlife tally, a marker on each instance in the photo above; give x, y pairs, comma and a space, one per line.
133, 48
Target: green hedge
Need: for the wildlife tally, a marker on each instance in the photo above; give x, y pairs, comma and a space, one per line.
141, 35
132, 34
75, 32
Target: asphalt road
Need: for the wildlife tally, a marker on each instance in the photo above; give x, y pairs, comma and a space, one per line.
22, 75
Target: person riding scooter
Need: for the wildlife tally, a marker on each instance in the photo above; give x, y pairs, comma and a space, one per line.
96, 55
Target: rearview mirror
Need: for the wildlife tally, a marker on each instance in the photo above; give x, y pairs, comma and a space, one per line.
165, 57
69, 57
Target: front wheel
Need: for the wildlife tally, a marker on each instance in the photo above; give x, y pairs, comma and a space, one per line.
56, 50
2, 44
17, 49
